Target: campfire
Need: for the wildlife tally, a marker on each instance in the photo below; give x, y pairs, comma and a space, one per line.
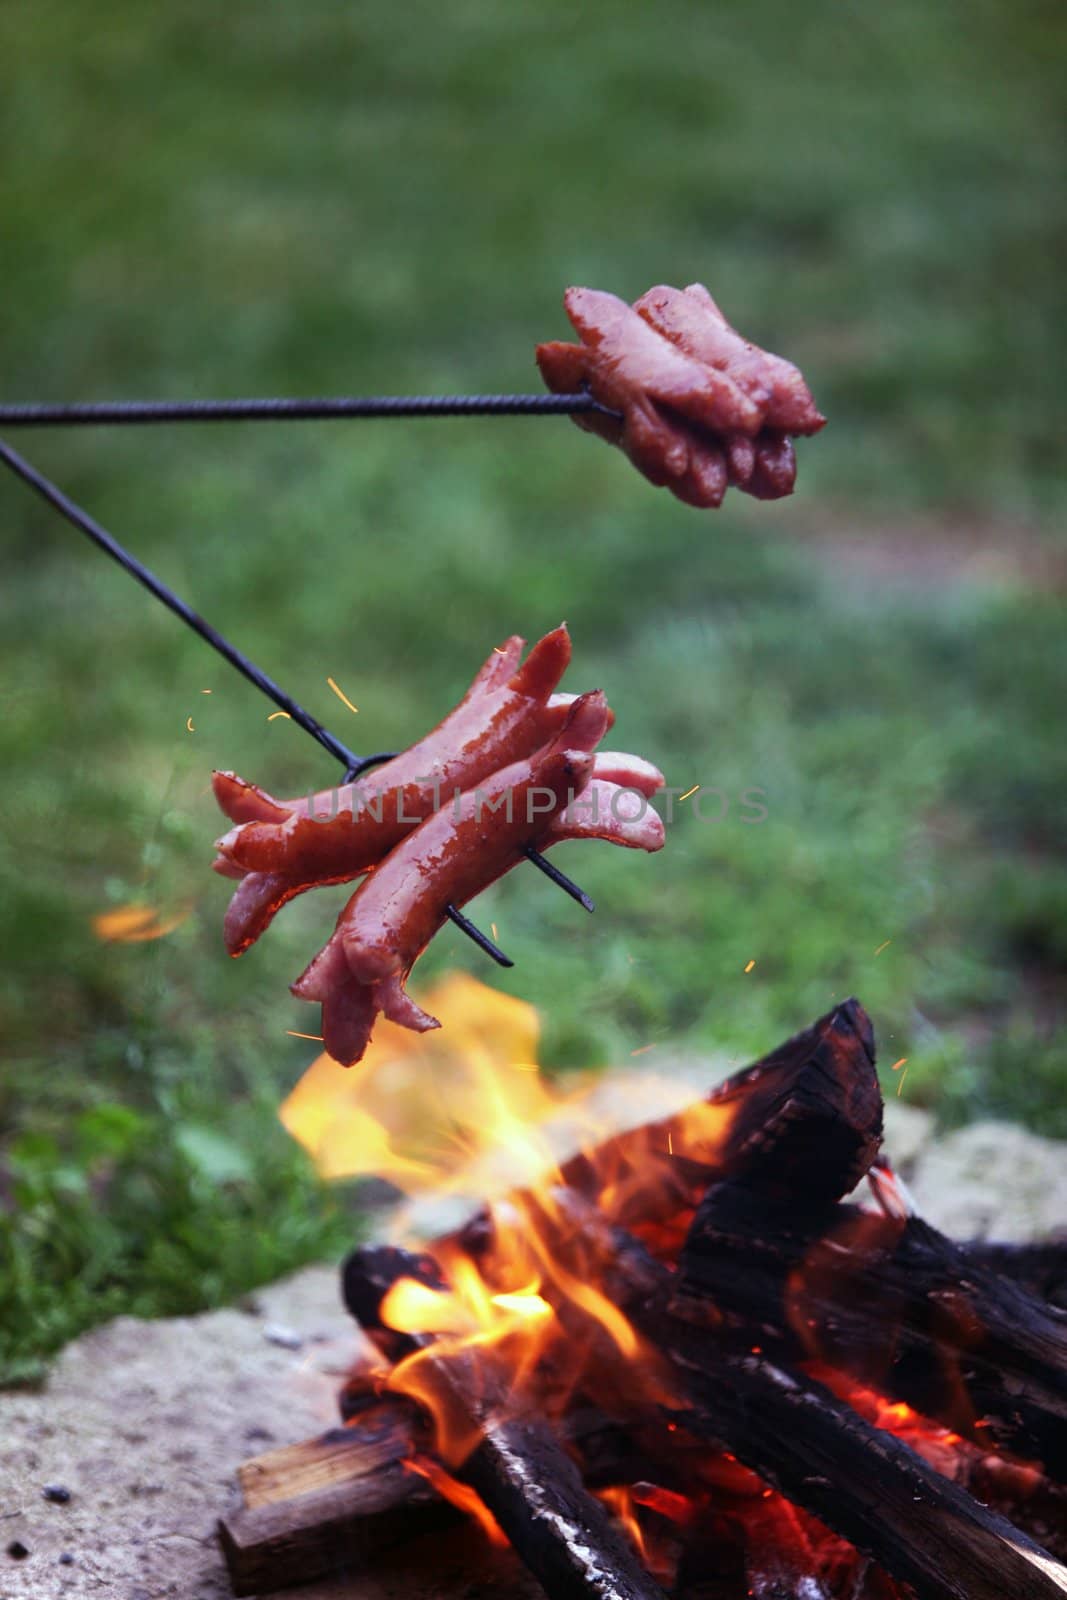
714, 1355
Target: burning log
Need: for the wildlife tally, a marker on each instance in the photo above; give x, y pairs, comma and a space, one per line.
891, 1302
821, 1079
562, 1534
1040, 1268
860, 1481
887, 1299
340, 1500
518, 1468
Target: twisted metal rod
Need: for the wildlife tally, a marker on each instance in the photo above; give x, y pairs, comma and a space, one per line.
292, 409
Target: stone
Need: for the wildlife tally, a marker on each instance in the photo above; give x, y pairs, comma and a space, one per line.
993, 1180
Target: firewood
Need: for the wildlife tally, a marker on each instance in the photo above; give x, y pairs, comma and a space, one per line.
1040, 1268
348, 1525
387, 1433
860, 1481
518, 1468
893, 1303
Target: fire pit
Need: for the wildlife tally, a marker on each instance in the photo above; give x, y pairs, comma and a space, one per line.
682, 1361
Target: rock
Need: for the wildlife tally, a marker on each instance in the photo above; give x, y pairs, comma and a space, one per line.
992, 1180
908, 1132
144, 1424
147, 1423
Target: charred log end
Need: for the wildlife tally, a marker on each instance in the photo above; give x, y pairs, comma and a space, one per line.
809, 1115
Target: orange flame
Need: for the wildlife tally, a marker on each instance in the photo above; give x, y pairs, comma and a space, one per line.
620, 1502
459, 1494
460, 1118
463, 1111
136, 923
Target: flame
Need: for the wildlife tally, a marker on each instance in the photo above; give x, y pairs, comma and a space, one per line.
459, 1494
137, 922
620, 1502
462, 1121
464, 1111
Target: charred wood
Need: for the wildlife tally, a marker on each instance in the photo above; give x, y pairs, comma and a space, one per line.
891, 1302
518, 1467
1039, 1268
863, 1483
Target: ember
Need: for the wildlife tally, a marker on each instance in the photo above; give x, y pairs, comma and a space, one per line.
680, 1359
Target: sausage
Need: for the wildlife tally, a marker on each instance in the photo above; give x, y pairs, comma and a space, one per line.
447, 859
261, 895
691, 321
499, 720
277, 854
701, 407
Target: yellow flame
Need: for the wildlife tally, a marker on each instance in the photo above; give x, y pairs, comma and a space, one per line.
463, 1115
136, 923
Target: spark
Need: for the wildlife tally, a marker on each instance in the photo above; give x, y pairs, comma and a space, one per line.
189, 724
688, 792
882, 947
206, 691
342, 696
284, 714
750, 966
670, 1142
294, 1035
641, 1050
898, 1064
900, 1085
492, 927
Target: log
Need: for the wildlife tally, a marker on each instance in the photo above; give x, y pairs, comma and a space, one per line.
1040, 1268
893, 1303
389, 1431
518, 1467
346, 1526
863, 1483
560, 1532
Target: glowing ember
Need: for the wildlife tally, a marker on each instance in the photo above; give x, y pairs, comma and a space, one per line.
137, 923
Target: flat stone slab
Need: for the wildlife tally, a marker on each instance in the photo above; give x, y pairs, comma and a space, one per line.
146, 1423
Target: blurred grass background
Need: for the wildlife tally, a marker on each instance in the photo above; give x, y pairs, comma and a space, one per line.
332, 198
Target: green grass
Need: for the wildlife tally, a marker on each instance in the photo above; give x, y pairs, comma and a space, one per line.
338, 198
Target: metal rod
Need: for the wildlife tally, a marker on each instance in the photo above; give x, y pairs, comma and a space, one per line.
353, 764
100, 536
559, 878
482, 940
294, 409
